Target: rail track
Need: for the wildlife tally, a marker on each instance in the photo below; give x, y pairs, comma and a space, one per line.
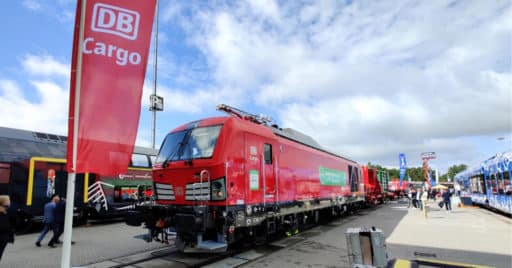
234, 257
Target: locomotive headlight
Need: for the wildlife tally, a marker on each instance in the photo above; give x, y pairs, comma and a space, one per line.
218, 189
248, 210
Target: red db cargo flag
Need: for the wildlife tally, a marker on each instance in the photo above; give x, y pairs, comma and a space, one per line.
110, 51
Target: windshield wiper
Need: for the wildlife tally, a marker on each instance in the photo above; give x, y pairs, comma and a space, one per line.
177, 149
164, 164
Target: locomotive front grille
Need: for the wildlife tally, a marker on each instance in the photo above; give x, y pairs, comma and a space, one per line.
164, 191
197, 191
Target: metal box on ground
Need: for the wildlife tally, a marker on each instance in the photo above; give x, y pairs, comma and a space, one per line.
366, 246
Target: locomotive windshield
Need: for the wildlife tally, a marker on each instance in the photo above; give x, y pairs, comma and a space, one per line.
189, 144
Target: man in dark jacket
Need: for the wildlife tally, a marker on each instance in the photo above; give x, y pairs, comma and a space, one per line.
446, 200
7, 223
60, 212
49, 221
60, 216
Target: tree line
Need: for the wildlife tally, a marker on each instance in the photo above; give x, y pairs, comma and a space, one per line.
416, 173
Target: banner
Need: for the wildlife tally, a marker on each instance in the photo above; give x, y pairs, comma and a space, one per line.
403, 166
332, 177
109, 62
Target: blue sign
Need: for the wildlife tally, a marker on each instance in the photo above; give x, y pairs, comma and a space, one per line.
432, 181
403, 166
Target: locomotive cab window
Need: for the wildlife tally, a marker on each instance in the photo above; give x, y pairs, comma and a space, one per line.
194, 143
268, 154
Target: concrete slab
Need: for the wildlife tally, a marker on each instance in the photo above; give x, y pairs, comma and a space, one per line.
191, 259
249, 255
97, 243
285, 242
133, 257
161, 263
104, 264
227, 263
466, 235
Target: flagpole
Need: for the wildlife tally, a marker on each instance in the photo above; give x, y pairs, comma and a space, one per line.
70, 193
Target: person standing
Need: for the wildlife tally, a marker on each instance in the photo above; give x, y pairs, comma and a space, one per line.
49, 222
424, 199
7, 224
447, 201
418, 198
409, 196
457, 188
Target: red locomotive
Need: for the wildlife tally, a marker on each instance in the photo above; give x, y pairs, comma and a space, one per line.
221, 179
395, 190
373, 191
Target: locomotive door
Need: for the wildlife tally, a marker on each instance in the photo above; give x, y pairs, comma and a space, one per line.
259, 170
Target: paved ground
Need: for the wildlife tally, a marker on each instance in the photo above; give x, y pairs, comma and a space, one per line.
466, 235
93, 244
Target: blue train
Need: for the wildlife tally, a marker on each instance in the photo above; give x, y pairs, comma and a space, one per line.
489, 185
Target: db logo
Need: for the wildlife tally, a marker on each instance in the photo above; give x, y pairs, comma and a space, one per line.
179, 191
115, 20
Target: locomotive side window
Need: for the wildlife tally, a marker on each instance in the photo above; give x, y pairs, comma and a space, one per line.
5, 172
354, 178
268, 154
140, 160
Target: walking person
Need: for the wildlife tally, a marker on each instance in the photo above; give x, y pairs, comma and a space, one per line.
447, 201
60, 213
7, 224
413, 197
49, 222
418, 198
409, 197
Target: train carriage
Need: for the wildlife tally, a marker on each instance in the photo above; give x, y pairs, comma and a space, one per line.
32, 168
222, 179
489, 185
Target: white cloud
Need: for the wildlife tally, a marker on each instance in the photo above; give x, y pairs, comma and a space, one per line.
47, 113
375, 77
45, 66
266, 9
42, 105
190, 102
32, 4
170, 11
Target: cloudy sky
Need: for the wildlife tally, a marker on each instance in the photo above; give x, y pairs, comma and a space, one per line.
367, 79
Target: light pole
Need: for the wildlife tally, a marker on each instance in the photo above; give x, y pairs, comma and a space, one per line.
156, 102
